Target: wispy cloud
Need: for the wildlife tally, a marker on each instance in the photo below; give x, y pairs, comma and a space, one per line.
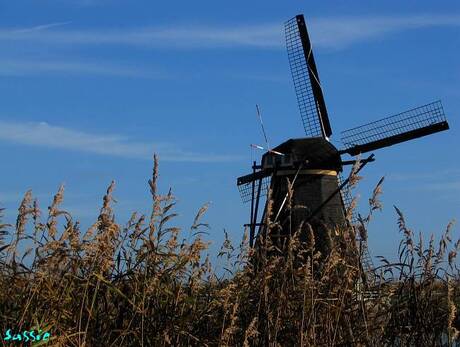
340, 32
179, 37
424, 176
330, 32
452, 186
446, 180
32, 67
86, 3
9, 197
41, 27
45, 135
17, 197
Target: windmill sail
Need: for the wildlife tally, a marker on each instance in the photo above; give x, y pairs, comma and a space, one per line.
347, 200
405, 126
363, 249
249, 185
302, 176
306, 80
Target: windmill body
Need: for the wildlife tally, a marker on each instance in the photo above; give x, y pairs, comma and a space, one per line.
311, 166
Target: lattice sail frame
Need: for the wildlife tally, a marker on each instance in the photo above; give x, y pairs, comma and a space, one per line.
347, 198
417, 122
306, 80
246, 189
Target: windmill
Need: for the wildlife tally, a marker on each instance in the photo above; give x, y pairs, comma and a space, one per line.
313, 164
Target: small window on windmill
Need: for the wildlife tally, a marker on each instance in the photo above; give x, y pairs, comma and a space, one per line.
286, 160
278, 160
268, 161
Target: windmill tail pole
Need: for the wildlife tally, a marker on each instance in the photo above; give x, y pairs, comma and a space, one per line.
285, 198
259, 114
344, 183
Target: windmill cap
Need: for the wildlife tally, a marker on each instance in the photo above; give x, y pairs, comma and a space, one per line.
317, 151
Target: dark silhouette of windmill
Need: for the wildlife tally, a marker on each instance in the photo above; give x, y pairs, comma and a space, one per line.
313, 164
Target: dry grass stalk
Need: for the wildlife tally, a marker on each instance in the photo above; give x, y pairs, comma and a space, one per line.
147, 283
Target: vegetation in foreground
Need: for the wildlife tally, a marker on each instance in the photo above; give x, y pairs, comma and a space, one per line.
147, 283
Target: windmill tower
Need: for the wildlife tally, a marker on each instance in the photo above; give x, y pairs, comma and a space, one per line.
312, 165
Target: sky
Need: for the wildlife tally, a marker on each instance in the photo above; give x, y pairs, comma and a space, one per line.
90, 89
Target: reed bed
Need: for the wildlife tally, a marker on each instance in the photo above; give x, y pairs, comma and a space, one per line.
148, 283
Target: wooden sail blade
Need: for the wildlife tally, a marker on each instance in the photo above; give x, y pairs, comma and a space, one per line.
418, 122
306, 80
249, 183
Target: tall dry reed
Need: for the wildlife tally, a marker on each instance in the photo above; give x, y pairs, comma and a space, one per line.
148, 283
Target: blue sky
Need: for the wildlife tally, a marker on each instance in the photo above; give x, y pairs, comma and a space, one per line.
90, 89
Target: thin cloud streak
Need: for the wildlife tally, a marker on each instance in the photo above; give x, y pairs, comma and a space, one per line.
30, 67
42, 27
16, 198
267, 36
326, 32
447, 187
341, 32
446, 180
45, 135
417, 176
8, 197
